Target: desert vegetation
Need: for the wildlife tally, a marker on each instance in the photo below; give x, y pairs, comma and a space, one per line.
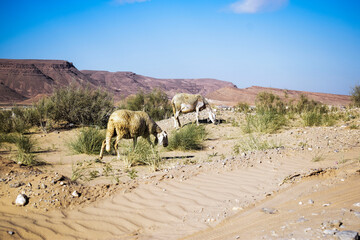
155, 103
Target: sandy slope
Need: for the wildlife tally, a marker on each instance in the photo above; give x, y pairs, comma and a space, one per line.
182, 200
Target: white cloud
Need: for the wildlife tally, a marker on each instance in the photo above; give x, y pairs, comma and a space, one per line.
255, 6
128, 1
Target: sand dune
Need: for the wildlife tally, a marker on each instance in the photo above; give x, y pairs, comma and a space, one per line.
217, 198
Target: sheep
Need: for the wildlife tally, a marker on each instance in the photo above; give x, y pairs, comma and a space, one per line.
130, 125
185, 103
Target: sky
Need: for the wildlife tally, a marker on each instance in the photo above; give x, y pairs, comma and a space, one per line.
309, 45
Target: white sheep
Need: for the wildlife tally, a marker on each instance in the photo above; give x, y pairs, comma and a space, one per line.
185, 103
130, 125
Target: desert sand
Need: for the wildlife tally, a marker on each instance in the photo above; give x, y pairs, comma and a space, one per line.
306, 189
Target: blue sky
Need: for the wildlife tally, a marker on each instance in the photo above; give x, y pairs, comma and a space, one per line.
311, 45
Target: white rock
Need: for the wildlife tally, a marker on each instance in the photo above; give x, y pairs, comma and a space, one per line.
357, 204
21, 200
75, 194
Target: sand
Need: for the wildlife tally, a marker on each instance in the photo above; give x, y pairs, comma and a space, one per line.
207, 194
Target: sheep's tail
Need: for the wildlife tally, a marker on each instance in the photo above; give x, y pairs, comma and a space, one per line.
109, 133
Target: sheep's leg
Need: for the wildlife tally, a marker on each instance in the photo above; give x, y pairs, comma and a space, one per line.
134, 142
197, 115
102, 149
177, 120
116, 146
149, 141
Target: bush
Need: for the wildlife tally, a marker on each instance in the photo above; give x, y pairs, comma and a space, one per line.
264, 121
190, 137
155, 103
79, 106
268, 102
25, 147
355, 96
88, 141
242, 107
143, 154
253, 143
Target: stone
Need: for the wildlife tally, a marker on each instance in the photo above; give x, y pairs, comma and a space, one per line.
75, 194
11, 232
21, 200
356, 204
311, 201
15, 185
269, 210
347, 235
329, 231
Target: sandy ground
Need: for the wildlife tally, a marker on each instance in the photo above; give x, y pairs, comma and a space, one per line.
207, 194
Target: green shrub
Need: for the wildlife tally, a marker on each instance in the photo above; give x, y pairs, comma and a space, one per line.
155, 103
355, 95
143, 154
242, 107
312, 118
190, 137
88, 141
265, 121
253, 143
79, 106
25, 147
268, 102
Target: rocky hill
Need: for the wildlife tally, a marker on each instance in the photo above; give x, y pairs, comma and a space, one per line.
127, 83
26, 81
231, 96
29, 79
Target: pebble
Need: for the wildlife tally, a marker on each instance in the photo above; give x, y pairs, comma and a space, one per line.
326, 204
311, 201
347, 235
269, 210
15, 185
330, 231
356, 204
11, 232
75, 194
301, 220
21, 200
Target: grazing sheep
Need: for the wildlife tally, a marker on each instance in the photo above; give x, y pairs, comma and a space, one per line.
185, 103
130, 125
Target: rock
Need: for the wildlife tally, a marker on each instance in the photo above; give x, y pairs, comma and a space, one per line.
15, 185
311, 201
269, 210
326, 204
43, 186
75, 194
21, 200
347, 235
302, 219
11, 232
356, 204
330, 231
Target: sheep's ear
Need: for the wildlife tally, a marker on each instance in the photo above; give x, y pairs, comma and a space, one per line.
156, 140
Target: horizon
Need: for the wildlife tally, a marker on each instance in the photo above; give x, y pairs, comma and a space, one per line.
300, 45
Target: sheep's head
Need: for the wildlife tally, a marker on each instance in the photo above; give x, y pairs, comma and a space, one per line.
162, 139
212, 116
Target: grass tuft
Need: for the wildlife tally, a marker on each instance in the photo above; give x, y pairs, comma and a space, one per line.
190, 137
88, 141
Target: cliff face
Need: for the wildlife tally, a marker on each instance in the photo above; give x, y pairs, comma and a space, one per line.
32, 77
29, 79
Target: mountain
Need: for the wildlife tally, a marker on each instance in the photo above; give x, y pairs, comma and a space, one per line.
26, 81
231, 96
127, 83
30, 79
